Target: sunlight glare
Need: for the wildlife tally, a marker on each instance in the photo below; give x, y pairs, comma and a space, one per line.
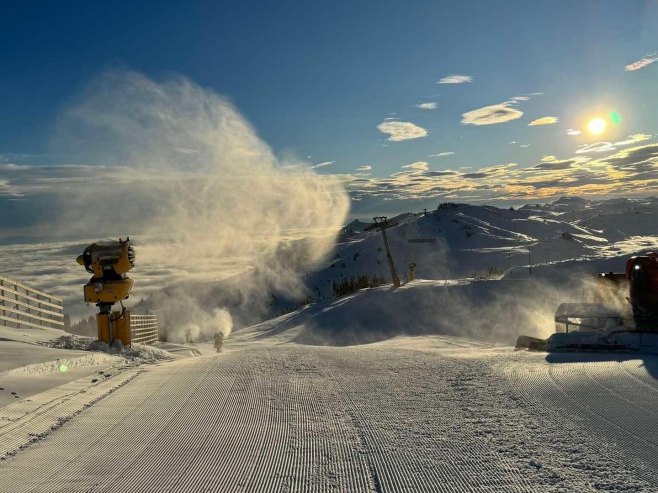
596, 126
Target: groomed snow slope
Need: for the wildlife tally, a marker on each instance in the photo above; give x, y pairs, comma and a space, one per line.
386, 390
444, 411
429, 413
28, 366
38, 360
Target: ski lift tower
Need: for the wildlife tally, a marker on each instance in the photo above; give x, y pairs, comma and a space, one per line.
382, 223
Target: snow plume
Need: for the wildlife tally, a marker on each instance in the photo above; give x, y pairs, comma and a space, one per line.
493, 311
188, 321
204, 197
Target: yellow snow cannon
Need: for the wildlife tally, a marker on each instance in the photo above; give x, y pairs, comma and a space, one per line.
109, 262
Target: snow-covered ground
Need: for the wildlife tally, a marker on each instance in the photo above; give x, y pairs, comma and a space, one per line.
408, 389
424, 413
38, 360
443, 409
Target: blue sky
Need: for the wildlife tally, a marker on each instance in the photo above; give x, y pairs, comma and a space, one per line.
320, 80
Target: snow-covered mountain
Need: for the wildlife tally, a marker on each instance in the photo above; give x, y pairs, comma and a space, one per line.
462, 240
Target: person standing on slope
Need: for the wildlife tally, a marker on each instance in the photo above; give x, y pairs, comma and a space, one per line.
219, 341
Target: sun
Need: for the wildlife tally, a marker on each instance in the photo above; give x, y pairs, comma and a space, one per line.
596, 126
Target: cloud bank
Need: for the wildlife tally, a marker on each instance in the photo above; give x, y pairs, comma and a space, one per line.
626, 172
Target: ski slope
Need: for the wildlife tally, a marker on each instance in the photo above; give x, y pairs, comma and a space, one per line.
428, 413
384, 390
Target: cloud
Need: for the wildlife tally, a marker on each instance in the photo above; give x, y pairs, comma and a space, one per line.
399, 131
427, 106
455, 79
547, 120
440, 173
642, 62
442, 154
634, 159
573, 132
595, 147
624, 173
418, 165
633, 139
365, 167
27, 180
322, 165
555, 164
9, 190
491, 115
610, 146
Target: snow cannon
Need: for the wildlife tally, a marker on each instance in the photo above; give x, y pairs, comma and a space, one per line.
109, 262
610, 323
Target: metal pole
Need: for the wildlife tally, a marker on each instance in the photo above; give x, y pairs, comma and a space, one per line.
529, 263
394, 275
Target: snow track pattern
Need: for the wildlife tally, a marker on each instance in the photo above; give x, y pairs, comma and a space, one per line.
610, 401
371, 418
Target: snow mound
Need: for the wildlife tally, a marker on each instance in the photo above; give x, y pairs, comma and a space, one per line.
134, 354
62, 365
70, 342
138, 353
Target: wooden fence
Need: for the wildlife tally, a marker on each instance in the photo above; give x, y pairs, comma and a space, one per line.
144, 328
24, 307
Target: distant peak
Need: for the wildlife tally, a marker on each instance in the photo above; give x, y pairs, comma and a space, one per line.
570, 200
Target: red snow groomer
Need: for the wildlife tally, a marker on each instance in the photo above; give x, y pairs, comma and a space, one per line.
625, 311
642, 276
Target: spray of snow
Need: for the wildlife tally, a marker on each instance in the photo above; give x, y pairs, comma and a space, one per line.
177, 166
189, 320
494, 311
